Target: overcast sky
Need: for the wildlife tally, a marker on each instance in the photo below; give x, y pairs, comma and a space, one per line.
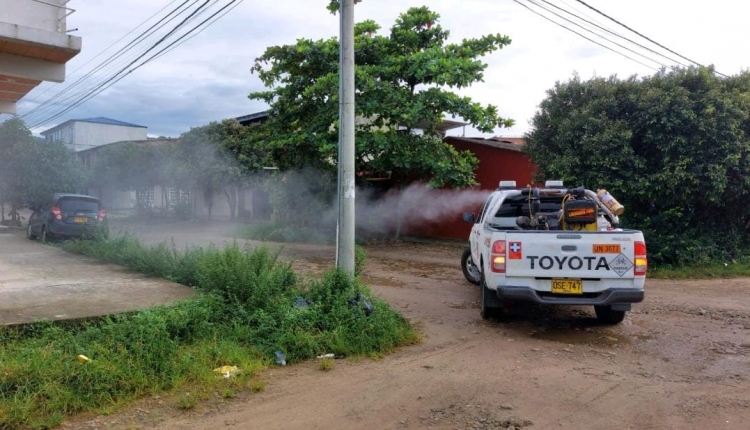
208, 78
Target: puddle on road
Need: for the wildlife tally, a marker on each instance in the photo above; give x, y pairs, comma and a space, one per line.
383, 282
579, 337
464, 305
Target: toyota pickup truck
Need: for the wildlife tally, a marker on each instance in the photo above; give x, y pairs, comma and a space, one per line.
555, 245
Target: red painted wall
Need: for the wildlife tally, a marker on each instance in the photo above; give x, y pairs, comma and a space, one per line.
495, 165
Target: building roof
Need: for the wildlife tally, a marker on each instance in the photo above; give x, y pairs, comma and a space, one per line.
509, 143
109, 121
157, 141
253, 117
97, 120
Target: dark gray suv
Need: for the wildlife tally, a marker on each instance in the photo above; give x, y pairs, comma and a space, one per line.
68, 216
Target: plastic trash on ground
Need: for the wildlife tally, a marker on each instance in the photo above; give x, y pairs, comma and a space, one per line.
302, 303
83, 359
361, 301
228, 371
326, 356
280, 358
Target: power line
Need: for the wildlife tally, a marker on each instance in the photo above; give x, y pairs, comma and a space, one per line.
613, 33
175, 28
142, 37
643, 36
50, 104
93, 87
592, 32
199, 32
107, 48
587, 38
116, 78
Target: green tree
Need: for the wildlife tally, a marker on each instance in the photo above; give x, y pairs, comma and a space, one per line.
404, 83
218, 158
31, 170
673, 147
134, 166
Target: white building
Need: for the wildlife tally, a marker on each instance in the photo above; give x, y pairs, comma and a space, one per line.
34, 47
87, 133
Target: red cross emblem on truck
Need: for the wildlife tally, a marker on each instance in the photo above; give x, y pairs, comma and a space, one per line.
516, 251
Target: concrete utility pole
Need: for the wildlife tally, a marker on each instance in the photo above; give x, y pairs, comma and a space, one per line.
345, 226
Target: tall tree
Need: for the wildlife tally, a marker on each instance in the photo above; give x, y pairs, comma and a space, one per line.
32, 170
218, 158
673, 147
404, 83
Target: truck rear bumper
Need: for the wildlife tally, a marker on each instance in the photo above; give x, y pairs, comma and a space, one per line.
603, 298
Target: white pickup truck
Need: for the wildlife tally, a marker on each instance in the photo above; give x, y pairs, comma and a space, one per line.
555, 245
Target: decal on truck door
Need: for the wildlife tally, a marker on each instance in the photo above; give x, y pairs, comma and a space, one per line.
516, 252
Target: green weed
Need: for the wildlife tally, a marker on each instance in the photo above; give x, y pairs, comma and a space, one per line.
246, 313
326, 364
187, 402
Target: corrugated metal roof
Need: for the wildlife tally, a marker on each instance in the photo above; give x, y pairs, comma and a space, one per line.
109, 121
500, 144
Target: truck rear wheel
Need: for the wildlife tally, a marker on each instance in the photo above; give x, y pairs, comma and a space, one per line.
606, 315
471, 271
491, 303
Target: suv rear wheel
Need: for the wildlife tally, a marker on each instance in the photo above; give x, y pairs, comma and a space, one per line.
29, 233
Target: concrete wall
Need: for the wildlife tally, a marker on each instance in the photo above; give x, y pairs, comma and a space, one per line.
88, 135
33, 14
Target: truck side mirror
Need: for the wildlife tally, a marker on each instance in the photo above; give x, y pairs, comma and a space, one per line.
469, 217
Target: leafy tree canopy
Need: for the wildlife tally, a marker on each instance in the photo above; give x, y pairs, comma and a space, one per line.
31, 170
673, 147
404, 83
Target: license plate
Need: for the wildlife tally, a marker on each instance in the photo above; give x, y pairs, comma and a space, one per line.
80, 219
567, 286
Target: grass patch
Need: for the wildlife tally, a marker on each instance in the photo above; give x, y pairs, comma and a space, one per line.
278, 231
734, 269
326, 364
246, 313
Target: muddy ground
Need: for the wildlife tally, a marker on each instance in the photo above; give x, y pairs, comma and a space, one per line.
680, 360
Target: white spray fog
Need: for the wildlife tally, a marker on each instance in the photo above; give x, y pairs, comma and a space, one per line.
381, 209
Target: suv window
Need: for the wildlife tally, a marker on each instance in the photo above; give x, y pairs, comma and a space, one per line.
78, 204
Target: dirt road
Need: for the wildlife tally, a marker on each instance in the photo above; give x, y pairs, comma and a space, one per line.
681, 360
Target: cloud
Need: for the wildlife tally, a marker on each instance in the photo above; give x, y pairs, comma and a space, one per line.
208, 78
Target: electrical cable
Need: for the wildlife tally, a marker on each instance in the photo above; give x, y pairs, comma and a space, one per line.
200, 31
587, 38
105, 49
116, 78
613, 33
594, 33
116, 55
643, 36
78, 94
75, 104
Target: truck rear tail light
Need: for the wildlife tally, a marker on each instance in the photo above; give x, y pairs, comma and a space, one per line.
102, 215
56, 212
641, 260
497, 257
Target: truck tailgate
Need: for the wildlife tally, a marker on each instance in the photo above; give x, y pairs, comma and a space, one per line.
591, 255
